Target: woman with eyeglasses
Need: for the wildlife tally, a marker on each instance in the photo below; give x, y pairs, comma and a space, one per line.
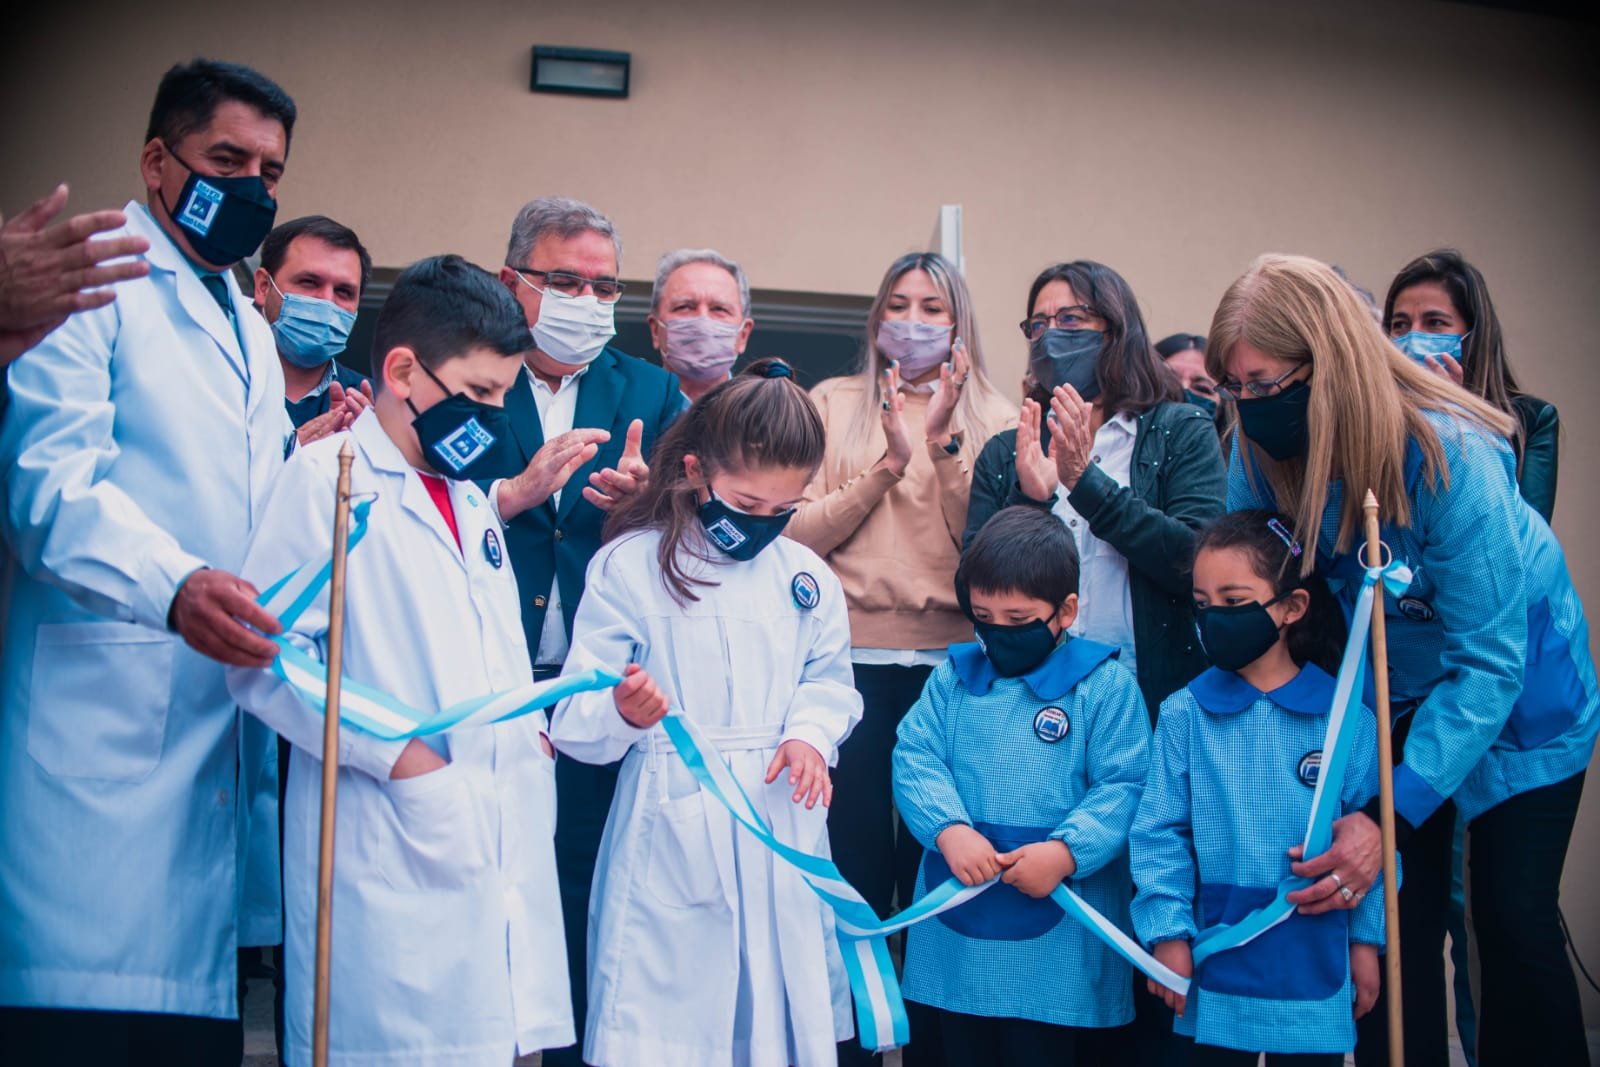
1489, 666
1439, 312
1106, 443
886, 511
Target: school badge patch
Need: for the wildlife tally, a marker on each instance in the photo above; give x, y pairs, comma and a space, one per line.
807, 593
1050, 725
1310, 769
201, 210
491, 549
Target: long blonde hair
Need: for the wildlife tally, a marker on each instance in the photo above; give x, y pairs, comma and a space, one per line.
978, 397
1367, 397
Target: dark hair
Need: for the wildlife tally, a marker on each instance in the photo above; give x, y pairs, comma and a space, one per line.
1179, 342
1483, 353
276, 247
443, 307
760, 418
1268, 539
1131, 378
190, 92
1021, 549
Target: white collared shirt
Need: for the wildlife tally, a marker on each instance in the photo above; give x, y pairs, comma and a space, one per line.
1105, 609
557, 410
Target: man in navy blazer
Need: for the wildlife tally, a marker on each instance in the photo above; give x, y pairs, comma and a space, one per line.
561, 265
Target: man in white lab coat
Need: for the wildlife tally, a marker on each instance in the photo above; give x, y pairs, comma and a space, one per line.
138, 444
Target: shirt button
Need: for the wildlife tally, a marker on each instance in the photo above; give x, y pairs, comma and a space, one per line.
1073, 523
1097, 459
559, 535
538, 601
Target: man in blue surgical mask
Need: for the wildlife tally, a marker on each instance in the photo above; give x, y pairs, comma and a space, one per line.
309, 285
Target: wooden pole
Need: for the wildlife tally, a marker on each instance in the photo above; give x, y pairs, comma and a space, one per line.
330, 760
1391, 882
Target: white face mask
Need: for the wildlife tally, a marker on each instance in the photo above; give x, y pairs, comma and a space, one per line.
919, 346
572, 329
700, 349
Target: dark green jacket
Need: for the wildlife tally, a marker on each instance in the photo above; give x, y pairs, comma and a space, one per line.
1536, 473
1179, 482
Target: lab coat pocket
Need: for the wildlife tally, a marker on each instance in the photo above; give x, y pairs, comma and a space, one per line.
98, 706
433, 837
682, 872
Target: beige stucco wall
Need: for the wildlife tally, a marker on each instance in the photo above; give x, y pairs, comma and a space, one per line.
816, 141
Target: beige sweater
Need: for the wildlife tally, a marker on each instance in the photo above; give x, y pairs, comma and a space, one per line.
894, 541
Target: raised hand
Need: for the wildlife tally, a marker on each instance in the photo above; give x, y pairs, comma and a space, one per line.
1036, 471
610, 487
808, 772
549, 470
897, 454
953, 376
1071, 439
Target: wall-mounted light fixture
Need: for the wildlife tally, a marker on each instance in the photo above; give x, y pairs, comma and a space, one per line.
585, 71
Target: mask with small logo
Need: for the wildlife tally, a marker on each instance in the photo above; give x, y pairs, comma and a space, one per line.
918, 346
700, 348
458, 435
309, 331
224, 219
739, 534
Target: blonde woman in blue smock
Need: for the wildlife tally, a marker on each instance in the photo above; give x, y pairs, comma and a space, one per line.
1024, 758
1494, 688
704, 947
1233, 771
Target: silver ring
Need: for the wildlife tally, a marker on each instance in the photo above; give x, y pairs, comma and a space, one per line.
1347, 893
1338, 883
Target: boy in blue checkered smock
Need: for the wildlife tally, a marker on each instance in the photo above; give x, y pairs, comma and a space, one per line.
1233, 771
1024, 758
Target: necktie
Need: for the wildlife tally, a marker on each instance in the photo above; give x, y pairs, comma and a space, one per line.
219, 292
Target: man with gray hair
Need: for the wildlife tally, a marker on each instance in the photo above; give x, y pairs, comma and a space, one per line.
699, 317
561, 265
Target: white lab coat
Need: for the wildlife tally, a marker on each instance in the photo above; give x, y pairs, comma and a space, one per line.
704, 948
137, 444
447, 938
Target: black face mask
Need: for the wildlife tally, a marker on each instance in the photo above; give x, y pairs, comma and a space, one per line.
1067, 357
740, 535
1015, 650
1278, 423
458, 435
1235, 637
224, 219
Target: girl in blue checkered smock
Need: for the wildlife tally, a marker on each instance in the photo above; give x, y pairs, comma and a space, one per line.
1233, 770
1495, 700
1023, 759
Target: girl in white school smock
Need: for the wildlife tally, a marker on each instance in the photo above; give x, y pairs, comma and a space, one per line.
704, 947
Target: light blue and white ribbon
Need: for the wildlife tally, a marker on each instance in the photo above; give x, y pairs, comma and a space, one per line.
371, 710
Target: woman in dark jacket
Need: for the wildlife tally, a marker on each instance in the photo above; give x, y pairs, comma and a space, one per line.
1132, 470
1439, 312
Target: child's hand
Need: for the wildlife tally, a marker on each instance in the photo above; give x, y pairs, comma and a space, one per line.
1178, 959
638, 699
1364, 976
808, 772
416, 759
968, 853
1038, 868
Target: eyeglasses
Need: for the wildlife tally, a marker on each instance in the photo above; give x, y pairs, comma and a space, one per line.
1257, 389
606, 289
1071, 317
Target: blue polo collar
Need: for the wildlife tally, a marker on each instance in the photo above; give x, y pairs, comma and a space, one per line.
1071, 662
1225, 693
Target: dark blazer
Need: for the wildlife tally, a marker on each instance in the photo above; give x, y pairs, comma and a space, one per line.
307, 408
1178, 482
545, 542
1539, 462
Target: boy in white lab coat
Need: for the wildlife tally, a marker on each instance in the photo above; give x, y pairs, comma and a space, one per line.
447, 942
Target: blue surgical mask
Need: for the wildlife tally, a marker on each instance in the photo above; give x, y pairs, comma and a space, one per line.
739, 534
310, 332
1419, 346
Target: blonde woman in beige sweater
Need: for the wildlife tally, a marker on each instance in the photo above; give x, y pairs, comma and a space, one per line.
887, 511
